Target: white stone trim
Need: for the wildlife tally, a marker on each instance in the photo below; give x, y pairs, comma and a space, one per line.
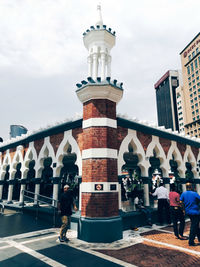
100, 92
89, 187
99, 153
106, 122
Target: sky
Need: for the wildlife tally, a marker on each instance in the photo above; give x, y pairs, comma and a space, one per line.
42, 55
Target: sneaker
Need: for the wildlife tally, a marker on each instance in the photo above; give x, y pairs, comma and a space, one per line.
61, 239
66, 239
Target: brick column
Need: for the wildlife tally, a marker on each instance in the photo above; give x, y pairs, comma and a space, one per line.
100, 220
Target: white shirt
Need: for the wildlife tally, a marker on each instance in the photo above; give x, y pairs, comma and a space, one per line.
161, 192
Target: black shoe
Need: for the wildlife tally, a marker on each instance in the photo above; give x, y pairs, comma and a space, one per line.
181, 237
193, 244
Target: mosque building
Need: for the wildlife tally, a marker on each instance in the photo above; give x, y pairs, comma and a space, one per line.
97, 152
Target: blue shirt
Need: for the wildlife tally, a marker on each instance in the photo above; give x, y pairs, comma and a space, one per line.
191, 200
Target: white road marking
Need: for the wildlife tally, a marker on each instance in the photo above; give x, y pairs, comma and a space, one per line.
35, 254
38, 239
172, 246
5, 247
29, 234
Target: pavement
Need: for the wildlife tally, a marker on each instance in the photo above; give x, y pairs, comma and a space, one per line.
26, 242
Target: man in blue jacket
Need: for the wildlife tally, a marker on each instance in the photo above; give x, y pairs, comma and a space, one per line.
191, 203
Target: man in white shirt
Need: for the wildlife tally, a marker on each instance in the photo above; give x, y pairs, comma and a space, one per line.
163, 203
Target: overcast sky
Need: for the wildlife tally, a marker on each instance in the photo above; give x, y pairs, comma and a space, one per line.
42, 55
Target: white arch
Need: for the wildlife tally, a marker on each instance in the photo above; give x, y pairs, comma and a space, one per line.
6, 162
143, 164
46, 151
155, 144
178, 157
68, 138
189, 157
31, 154
18, 158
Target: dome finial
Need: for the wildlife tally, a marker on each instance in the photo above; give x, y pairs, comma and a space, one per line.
99, 18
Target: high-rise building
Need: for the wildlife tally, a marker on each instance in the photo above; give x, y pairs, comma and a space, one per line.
180, 98
166, 100
190, 60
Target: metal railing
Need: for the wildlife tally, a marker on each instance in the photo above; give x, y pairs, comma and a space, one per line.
1, 208
39, 201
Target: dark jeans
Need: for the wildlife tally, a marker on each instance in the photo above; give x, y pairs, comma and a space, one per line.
147, 213
177, 215
163, 207
194, 228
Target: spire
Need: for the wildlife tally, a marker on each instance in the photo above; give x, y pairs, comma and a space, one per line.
99, 16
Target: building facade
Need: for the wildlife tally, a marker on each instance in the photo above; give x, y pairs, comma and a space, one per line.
190, 60
166, 100
98, 148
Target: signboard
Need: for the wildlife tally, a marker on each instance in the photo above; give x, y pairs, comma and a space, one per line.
98, 187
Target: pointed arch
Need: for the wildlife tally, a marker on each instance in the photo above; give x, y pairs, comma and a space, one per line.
189, 157
46, 151
155, 145
138, 149
174, 151
68, 140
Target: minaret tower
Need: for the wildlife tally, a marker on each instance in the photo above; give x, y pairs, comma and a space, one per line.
99, 42
100, 220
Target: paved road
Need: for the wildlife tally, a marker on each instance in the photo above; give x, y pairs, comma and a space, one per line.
25, 242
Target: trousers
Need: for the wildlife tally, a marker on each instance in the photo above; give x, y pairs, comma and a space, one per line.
65, 225
177, 215
163, 207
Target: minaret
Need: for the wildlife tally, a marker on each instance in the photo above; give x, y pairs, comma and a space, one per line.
100, 220
99, 41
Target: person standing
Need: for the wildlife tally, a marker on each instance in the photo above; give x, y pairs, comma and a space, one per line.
177, 213
163, 203
191, 200
65, 208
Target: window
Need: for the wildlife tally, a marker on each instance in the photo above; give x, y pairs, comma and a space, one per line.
192, 67
189, 78
196, 105
189, 57
195, 92
191, 101
197, 78
190, 89
197, 111
195, 63
191, 95
192, 74
193, 106
197, 72
194, 87
192, 112
197, 50
193, 81
199, 59
193, 53
188, 68
197, 117
195, 98
189, 83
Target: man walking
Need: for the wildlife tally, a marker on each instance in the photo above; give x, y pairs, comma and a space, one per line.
163, 203
177, 213
65, 207
191, 200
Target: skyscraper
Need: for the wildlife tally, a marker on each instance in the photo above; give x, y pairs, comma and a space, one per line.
190, 60
166, 100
